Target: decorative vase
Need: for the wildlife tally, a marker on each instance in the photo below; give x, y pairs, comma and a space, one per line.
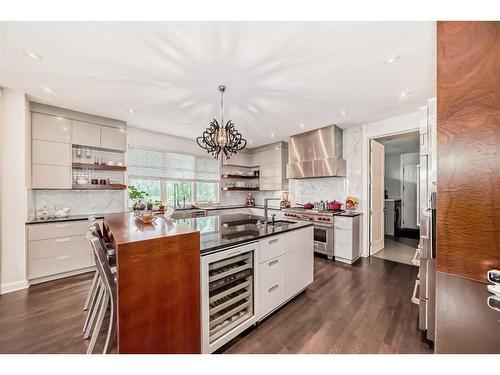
139, 206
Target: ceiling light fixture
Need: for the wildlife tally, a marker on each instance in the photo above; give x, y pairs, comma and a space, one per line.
130, 110
302, 126
403, 95
219, 138
272, 135
33, 56
391, 60
184, 124
343, 112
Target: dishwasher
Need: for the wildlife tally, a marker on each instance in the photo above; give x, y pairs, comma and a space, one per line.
229, 280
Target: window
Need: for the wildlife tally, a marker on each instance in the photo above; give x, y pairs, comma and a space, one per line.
161, 173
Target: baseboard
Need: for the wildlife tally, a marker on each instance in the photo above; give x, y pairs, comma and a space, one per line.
14, 287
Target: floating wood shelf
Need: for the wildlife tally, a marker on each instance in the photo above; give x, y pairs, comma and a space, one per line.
101, 167
234, 188
238, 176
100, 187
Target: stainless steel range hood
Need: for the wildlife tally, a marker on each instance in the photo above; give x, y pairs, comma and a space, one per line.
316, 153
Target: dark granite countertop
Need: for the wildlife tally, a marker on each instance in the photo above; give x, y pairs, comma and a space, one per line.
349, 213
62, 219
464, 321
219, 232
213, 208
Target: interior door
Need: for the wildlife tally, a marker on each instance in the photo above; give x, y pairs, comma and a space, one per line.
409, 198
377, 155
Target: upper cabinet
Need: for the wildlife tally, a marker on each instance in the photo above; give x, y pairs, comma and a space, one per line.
86, 134
51, 128
113, 138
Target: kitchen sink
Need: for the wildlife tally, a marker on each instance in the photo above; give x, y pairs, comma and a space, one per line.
278, 223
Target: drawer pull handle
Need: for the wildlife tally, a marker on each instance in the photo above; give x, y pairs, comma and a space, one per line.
62, 257
274, 262
62, 225
273, 288
273, 241
62, 240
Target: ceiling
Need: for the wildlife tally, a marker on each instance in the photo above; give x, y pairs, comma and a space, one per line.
401, 143
282, 78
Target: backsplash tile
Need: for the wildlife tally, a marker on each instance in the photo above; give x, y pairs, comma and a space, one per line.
79, 202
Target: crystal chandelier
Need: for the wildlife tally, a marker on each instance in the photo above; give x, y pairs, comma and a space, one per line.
221, 138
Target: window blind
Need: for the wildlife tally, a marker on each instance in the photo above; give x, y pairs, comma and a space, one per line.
158, 164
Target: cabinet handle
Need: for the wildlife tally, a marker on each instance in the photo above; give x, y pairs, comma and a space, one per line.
273, 241
62, 225
274, 262
233, 253
62, 257
274, 287
62, 240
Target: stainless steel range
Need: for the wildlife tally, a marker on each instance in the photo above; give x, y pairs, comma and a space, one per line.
323, 226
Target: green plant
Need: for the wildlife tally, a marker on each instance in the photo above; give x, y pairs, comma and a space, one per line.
135, 194
157, 202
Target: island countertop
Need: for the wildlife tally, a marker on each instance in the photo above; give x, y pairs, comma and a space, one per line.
219, 232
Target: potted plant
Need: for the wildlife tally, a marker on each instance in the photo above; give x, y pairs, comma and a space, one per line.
137, 196
157, 205
149, 205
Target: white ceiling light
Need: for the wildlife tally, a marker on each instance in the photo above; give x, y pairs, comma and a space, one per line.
272, 135
391, 60
250, 141
48, 90
403, 95
302, 126
33, 55
130, 110
184, 124
343, 112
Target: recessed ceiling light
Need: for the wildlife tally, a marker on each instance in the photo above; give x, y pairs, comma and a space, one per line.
403, 95
391, 60
250, 141
272, 135
343, 112
302, 126
33, 55
184, 124
48, 90
130, 110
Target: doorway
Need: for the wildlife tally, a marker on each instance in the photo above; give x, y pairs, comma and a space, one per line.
394, 177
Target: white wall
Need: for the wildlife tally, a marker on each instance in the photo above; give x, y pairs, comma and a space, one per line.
392, 175
15, 154
378, 129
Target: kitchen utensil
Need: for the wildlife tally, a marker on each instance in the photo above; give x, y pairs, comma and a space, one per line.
63, 212
146, 217
335, 206
494, 277
307, 206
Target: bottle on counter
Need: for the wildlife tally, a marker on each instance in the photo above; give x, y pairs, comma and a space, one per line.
250, 201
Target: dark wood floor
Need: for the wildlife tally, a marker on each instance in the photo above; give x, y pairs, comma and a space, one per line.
364, 308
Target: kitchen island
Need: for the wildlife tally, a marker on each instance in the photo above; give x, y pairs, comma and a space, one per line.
165, 297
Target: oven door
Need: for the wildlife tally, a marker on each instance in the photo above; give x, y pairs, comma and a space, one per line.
323, 240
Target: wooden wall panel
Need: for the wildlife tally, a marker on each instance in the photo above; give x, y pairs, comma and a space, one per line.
468, 131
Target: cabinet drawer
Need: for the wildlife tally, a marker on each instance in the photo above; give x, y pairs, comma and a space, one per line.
272, 247
58, 247
272, 297
342, 223
51, 176
52, 153
54, 265
272, 271
50, 128
113, 138
86, 134
57, 230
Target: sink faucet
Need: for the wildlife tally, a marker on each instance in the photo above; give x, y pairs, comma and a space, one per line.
266, 205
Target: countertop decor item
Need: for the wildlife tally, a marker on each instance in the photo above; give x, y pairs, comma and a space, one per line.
137, 196
219, 138
146, 217
351, 202
250, 201
63, 212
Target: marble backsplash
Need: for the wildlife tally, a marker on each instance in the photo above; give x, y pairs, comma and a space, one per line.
230, 198
79, 202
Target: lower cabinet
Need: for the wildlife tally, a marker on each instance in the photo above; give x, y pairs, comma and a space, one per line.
286, 267
57, 250
346, 239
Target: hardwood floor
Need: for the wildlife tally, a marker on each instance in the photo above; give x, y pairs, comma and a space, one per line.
364, 308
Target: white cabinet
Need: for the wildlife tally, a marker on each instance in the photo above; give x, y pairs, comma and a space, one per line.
86, 134
299, 260
346, 238
272, 166
50, 153
56, 249
286, 267
113, 138
50, 128
243, 159
50, 176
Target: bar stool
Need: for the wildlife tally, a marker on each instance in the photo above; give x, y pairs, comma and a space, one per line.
94, 294
106, 296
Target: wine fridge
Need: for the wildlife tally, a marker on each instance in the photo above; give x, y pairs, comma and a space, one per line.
228, 283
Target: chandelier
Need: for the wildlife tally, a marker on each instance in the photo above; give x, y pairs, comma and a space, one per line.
221, 138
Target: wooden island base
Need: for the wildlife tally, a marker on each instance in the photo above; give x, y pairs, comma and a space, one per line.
158, 285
